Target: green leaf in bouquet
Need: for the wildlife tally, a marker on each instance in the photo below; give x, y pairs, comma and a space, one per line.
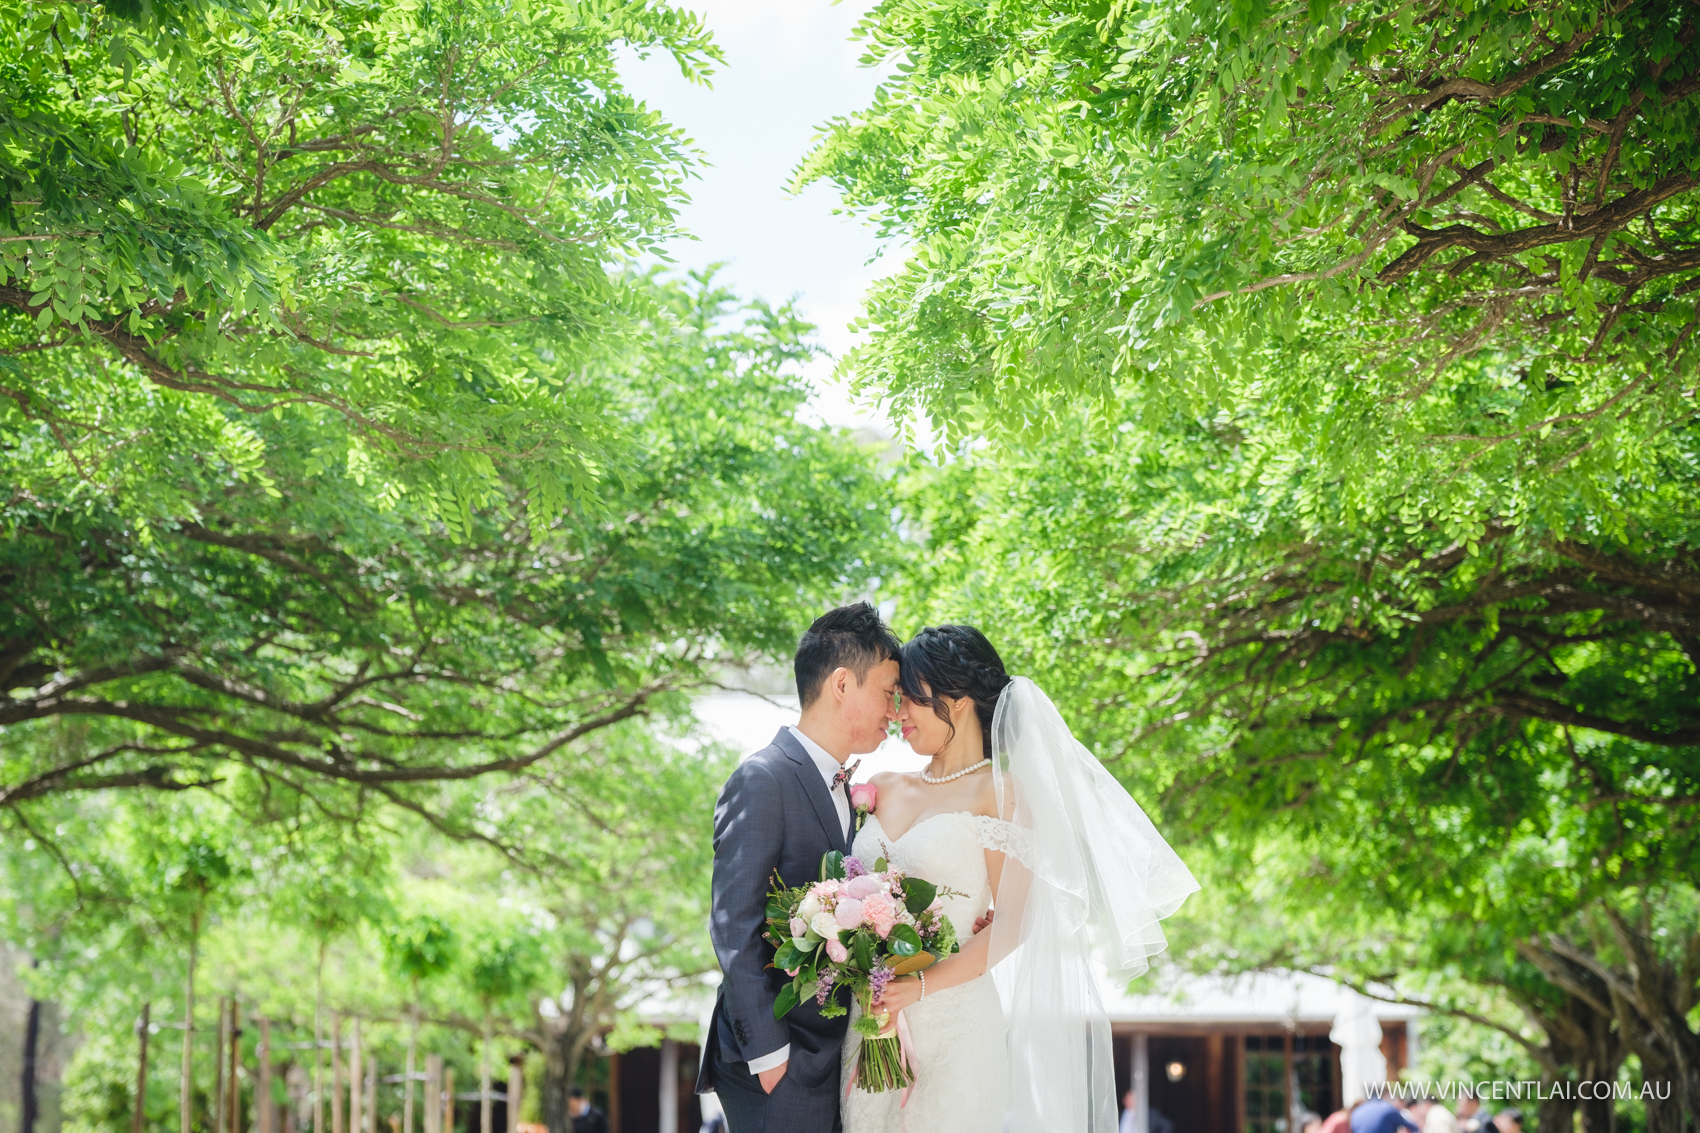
918, 894
903, 941
880, 865
789, 956
868, 1027
776, 911
807, 989
787, 999
832, 866
862, 950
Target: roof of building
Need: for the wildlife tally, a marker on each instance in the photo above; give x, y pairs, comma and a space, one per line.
1166, 995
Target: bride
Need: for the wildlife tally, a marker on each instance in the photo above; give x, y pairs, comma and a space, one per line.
1014, 815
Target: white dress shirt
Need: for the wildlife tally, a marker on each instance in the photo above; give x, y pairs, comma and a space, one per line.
828, 768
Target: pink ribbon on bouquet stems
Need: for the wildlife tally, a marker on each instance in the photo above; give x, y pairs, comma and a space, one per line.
908, 1056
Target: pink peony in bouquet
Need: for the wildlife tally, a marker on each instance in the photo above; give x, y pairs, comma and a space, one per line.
857, 928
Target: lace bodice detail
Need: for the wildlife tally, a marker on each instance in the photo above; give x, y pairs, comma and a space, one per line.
947, 850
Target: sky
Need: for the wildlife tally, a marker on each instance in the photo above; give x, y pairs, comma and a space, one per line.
790, 67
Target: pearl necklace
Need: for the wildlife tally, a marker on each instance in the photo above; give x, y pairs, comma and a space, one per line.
969, 770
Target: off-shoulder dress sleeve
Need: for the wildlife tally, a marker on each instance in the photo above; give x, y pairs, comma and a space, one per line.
1006, 838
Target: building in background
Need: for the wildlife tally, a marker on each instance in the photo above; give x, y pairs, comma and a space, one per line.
1248, 1054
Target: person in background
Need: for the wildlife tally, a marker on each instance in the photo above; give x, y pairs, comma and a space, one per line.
586, 1118
1508, 1121
1156, 1121
1340, 1121
1472, 1118
1381, 1115
1438, 1119
1310, 1122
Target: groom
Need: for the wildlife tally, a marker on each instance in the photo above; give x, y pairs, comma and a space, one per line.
783, 808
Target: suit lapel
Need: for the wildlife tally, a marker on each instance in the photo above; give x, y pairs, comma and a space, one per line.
814, 787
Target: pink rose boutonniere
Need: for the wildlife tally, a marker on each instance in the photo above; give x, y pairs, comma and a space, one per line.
863, 797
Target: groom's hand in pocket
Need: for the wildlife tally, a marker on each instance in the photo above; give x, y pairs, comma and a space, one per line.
769, 1079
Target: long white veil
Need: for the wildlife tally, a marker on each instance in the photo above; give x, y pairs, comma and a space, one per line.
1085, 872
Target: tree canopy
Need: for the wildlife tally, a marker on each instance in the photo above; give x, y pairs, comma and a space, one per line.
395, 221
315, 637
1443, 249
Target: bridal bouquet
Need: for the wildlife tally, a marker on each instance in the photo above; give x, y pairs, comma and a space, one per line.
857, 928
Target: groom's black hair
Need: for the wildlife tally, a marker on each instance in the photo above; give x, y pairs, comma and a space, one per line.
851, 637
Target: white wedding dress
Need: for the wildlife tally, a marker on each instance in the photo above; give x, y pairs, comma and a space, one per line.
959, 1048
1086, 881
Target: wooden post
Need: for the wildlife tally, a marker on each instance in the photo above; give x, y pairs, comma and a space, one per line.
486, 1104
319, 1046
448, 1124
233, 1107
186, 1083
139, 1117
516, 1090
218, 1064
1141, 1079
614, 1061
412, 1061
372, 1096
1216, 1071
356, 1081
265, 1114
1290, 1083
336, 1072
669, 1091
433, 1093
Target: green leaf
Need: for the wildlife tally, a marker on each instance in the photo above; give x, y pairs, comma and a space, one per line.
787, 998
862, 950
918, 894
788, 956
903, 940
832, 866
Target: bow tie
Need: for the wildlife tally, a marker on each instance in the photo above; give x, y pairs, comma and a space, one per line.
844, 774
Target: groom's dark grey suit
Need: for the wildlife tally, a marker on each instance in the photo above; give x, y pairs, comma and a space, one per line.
775, 813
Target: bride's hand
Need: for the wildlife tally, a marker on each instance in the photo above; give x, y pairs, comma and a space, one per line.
899, 993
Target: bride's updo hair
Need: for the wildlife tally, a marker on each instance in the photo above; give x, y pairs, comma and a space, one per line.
954, 661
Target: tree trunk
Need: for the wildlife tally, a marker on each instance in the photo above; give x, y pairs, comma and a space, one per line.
186, 1085
138, 1118
561, 1057
1585, 1039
